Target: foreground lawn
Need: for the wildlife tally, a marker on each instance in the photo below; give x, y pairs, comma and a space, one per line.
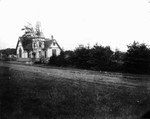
34, 95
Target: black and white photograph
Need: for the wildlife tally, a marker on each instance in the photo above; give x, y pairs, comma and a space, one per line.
74, 59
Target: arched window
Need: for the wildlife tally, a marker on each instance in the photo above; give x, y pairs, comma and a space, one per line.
40, 44
28, 54
34, 45
20, 53
45, 54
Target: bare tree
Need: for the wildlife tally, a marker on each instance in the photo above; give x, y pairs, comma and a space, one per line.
29, 31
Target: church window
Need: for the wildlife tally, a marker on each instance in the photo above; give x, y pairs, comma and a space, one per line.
20, 53
34, 45
40, 44
54, 52
28, 55
45, 54
39, 53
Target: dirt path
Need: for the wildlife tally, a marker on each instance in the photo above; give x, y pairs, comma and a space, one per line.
84, 75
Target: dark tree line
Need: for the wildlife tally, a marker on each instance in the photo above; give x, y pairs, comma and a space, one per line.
97, 58
137, 58
100, 58
8, 51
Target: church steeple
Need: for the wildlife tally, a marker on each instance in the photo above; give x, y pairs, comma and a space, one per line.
38, 29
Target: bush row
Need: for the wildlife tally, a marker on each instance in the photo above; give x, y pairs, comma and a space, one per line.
135, 60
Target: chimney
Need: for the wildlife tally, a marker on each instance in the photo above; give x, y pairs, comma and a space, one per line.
52, 37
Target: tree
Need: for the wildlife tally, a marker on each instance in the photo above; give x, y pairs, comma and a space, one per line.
29, 31
53, 60
81, 57
8, 51
118, 56
137, 58
96, 58
101, 57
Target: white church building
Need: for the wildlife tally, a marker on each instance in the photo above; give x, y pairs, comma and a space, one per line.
36, 47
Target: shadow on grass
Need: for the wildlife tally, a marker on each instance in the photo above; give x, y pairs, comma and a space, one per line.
29, 98
25, 95
9, 93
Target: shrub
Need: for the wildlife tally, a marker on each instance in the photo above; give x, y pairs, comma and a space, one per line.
137, 58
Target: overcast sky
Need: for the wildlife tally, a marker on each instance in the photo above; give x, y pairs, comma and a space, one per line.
72, 22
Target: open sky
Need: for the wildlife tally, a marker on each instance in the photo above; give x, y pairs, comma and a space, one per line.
116, 23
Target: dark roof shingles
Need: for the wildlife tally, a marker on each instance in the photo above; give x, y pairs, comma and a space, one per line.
27, 43
47, 44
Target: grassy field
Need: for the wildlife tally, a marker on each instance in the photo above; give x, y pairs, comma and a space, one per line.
39, 93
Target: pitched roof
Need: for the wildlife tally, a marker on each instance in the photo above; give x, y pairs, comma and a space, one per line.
48, 43
27, 42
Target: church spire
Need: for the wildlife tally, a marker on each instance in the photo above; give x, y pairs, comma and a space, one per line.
38, 29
